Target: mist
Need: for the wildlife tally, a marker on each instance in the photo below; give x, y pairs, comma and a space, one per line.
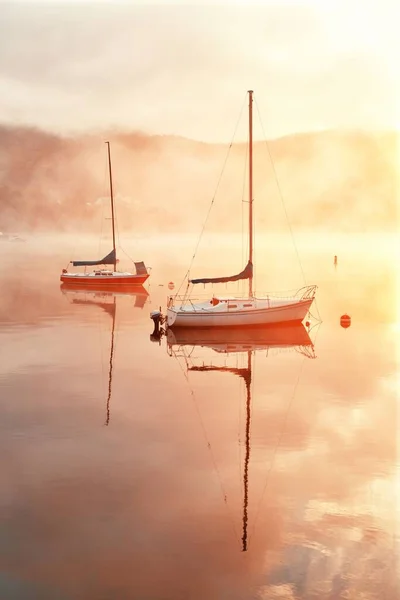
328, 181
164, 84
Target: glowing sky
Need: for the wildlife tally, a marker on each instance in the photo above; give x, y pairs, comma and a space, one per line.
184, 67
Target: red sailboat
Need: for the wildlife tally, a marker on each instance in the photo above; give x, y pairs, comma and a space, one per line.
101, 278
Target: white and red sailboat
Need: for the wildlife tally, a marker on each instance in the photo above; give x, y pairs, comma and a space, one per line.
248, 310
101, 278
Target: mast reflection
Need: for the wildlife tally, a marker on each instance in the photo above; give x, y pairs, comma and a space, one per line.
107, 300
240, 340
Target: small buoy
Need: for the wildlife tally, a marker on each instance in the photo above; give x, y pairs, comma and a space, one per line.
345, 321
171, 285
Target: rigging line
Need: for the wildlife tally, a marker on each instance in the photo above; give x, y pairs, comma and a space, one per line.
214, 196
318, 325
117, 227
78, 229
318, 313
116, 218
243, 191
126, 254
101, 224
103, 200
276, 448
224, 495
116, 222
280, 193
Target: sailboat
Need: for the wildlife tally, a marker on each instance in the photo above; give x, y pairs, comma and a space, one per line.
105, 278
238, 312
248, 341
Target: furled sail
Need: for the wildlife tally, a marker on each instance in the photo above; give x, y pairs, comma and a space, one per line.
247, 273
110, 259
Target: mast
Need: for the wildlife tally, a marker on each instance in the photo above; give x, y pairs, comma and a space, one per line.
112, 206
251, 189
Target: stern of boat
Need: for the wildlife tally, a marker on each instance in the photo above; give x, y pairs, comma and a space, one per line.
171, 316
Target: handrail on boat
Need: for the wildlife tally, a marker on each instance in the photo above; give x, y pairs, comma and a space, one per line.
309, 292
304, 293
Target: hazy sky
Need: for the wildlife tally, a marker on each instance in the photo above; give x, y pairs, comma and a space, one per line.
184, 67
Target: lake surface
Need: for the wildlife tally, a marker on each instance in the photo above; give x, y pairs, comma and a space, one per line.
151, 483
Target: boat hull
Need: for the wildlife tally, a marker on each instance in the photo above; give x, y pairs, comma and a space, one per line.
291, 312
113, 281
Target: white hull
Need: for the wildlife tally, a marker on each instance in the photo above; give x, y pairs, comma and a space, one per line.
239, 313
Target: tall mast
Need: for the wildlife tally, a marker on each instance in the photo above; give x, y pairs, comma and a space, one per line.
112, 206
251, 189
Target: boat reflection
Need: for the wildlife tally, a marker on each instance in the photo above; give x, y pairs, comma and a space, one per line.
242, 340
104, 298
108, 302
226, 340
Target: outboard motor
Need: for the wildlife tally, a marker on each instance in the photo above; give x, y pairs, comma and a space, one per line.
158, 319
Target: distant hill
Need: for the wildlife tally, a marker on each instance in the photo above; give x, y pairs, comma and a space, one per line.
333, 181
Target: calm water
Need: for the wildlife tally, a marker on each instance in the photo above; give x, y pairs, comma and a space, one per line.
148, 485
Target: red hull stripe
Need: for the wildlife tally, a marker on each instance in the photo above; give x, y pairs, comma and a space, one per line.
104, 281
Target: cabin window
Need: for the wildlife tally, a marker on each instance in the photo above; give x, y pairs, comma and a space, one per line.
232, 306
246, 305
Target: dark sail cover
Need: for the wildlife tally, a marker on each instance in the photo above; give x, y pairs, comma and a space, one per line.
247, 273
107, 260
140, 268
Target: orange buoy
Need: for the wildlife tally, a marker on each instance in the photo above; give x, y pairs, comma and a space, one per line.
345, 321
171, 285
